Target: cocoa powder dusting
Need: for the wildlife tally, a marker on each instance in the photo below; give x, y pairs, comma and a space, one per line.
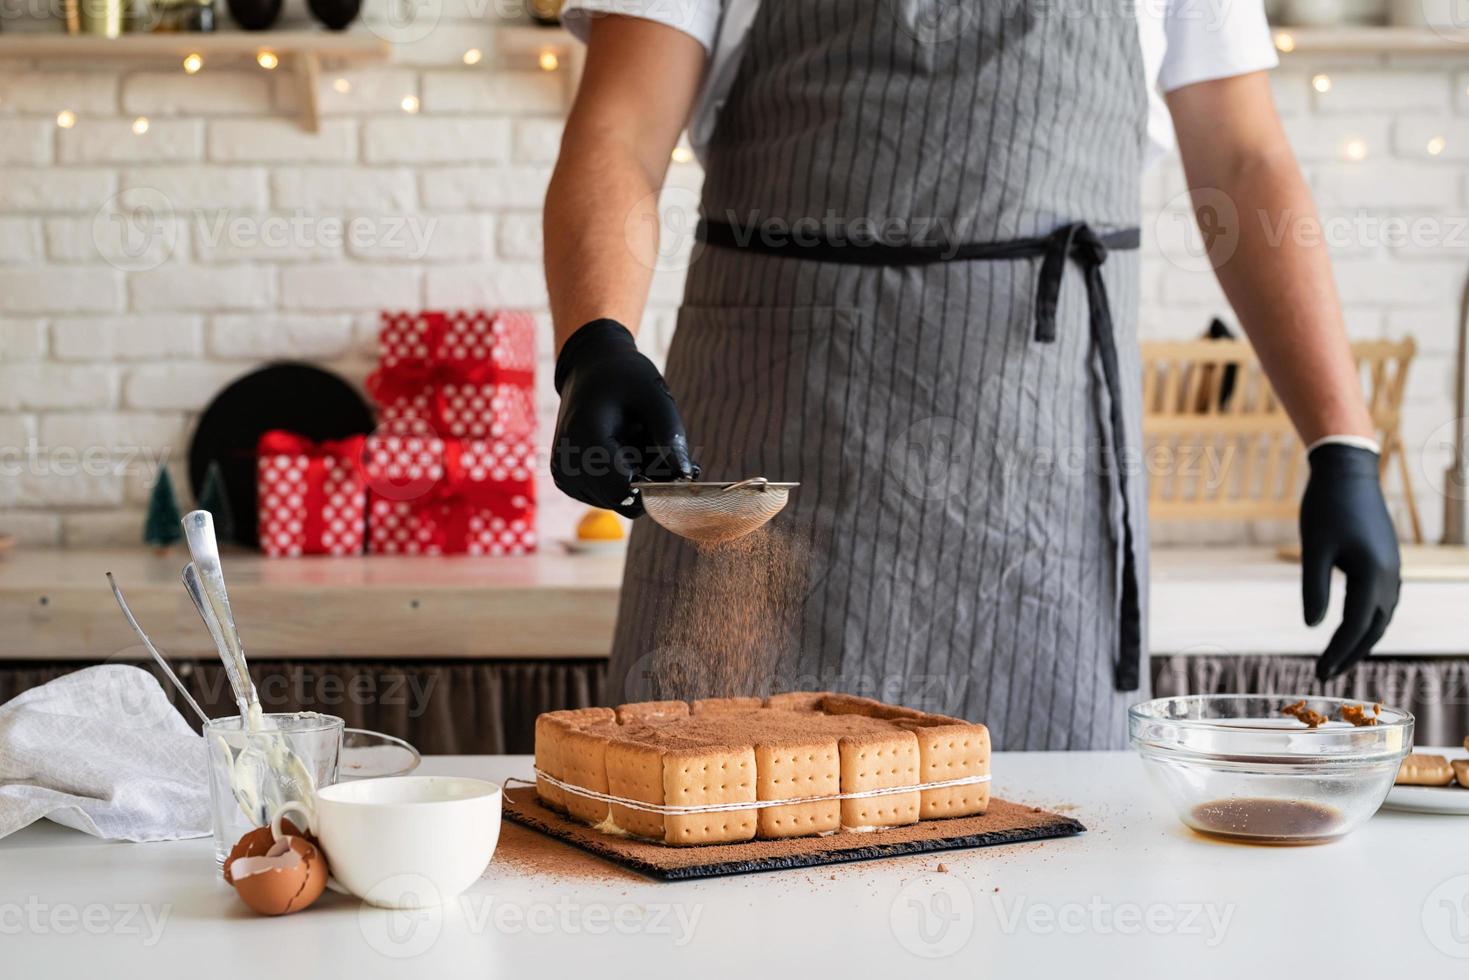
1003, 823
522, 851
725, 628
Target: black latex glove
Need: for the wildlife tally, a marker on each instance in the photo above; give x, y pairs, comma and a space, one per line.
617, 421
1344, 524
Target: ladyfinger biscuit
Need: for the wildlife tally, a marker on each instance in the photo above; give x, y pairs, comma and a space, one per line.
1425, 770
793, 768
951, 750
584, 762
635, 772
550, 730
801, 701
879, 760
851, 704
704, 775
1461, 772
652, 712
718, 706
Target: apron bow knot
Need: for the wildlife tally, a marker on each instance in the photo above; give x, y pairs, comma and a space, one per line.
1078, 241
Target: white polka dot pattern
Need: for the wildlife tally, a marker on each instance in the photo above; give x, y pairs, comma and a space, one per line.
504, 339
414, 511
285, 494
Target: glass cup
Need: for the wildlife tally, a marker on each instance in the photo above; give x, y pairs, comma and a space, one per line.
372, 755
245, 785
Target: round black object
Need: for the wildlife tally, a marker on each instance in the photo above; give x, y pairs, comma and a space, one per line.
255, 15
299, 398
335, 14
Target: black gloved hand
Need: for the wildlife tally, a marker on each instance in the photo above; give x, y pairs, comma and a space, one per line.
617, 421
1345, 524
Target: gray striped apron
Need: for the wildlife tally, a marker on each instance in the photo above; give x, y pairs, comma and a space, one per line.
902, 302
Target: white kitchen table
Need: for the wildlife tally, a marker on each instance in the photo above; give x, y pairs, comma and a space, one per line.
1138, 895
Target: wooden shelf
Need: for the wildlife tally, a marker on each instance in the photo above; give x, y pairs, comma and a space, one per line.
300, 52
1369, 40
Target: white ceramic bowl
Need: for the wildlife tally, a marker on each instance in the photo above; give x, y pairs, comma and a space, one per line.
1233, 766
408, 841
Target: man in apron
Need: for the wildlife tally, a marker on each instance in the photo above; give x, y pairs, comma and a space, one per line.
916, 294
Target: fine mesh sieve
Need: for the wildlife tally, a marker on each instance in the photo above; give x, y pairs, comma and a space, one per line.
712, 513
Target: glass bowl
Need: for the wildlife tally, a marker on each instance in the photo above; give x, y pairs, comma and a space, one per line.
1234, 767
371, 755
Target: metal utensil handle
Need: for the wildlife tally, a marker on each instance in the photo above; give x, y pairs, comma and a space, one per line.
239, 685
754, 481
157, 657
204, 549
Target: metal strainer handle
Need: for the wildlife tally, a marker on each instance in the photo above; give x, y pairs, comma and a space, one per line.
754, 482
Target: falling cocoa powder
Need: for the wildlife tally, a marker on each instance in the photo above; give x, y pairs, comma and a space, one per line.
728, 626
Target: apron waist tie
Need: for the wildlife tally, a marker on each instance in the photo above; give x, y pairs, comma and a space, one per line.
1077, 241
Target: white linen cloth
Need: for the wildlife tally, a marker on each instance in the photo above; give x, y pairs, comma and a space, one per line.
103, 751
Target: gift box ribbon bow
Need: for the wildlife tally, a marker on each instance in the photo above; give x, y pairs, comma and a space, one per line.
451, 495
412, 376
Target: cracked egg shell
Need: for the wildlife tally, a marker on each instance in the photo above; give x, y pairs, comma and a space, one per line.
256, 842
286, 878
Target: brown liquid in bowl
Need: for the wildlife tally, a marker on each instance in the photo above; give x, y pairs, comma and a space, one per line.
1261, 821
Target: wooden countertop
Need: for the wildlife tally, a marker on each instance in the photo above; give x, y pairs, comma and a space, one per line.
55, 605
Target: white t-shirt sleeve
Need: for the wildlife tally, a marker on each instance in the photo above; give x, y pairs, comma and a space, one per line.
699, 19
1207, 39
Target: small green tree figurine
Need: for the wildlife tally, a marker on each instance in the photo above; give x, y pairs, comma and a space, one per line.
161, 528
214, 498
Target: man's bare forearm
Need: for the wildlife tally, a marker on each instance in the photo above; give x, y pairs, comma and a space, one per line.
601, 232
601, 213
1276, 273
1280, 284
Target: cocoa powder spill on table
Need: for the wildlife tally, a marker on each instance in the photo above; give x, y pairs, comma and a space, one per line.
523, 852
726, 628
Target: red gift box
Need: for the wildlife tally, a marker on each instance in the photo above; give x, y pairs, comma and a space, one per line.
312, 495
467, 374
431, 496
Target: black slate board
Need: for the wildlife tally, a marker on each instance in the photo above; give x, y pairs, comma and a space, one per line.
1004, 823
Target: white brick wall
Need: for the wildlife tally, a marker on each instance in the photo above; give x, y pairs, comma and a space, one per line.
138, 274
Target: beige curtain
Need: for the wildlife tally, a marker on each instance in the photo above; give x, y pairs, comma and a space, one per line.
463, 707
1436, 691
447, 707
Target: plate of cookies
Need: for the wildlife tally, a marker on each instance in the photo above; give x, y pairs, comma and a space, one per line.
1432, 782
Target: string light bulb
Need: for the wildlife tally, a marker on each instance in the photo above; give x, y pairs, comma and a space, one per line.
66, 119
267, 60
341, 86
1285, 41
140, 125
1321, 83
548, 61
1436, 145
1355, 150
192, 63
410, 103
473, 56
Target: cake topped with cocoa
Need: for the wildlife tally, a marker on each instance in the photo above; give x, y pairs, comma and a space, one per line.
701, 772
